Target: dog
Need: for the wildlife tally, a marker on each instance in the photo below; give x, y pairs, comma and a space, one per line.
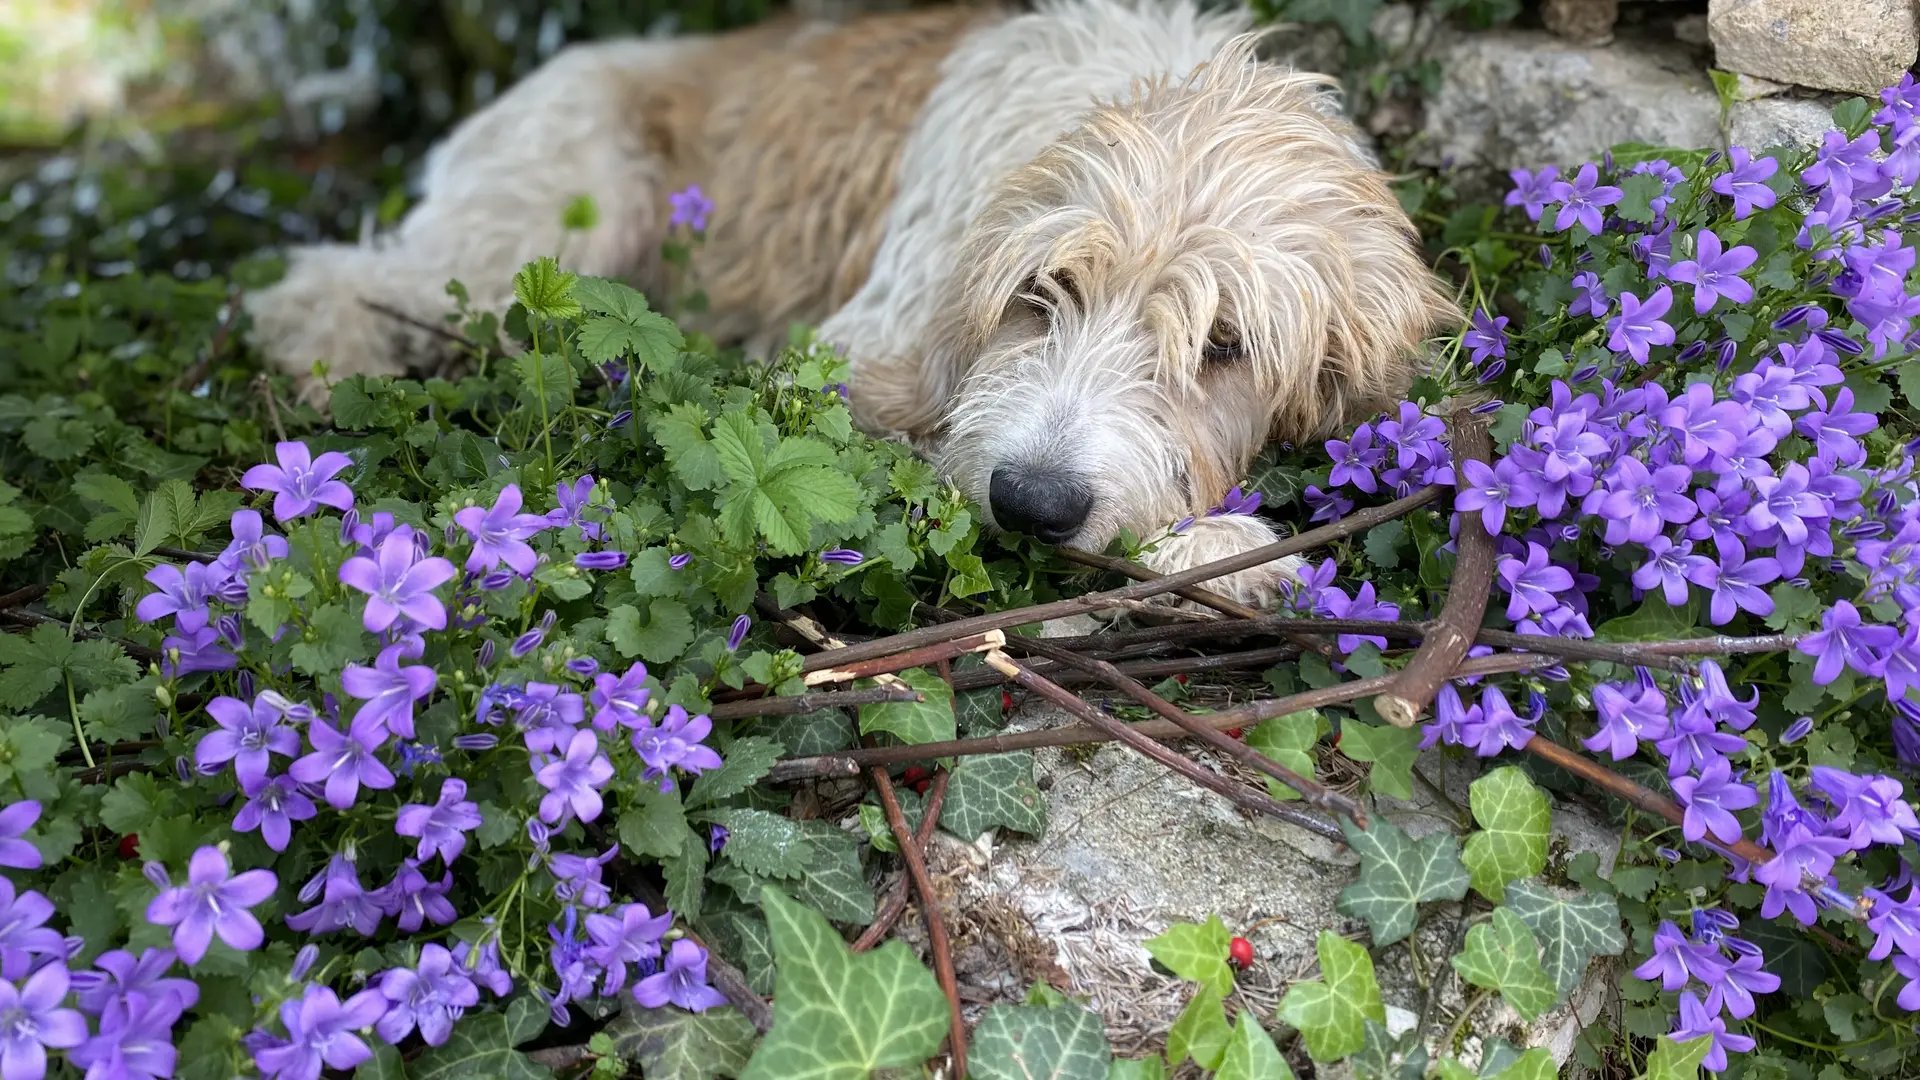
1089, 258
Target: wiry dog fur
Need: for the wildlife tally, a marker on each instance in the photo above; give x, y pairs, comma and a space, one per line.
1098, 243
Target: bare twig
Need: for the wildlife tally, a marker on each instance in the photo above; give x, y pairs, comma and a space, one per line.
805, 703
1240, 795
1449, 636
1313, 793
1358, 521
982, 677
812, 631
896, 902
930, 903
1200, 596
22, 597
264, 385
183, 553
445, 333
912, 658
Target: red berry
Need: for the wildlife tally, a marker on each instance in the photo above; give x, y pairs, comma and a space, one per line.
1181, 679
920, 786
1240, 953
1234, 732
1006, 702
915, 774
129, 846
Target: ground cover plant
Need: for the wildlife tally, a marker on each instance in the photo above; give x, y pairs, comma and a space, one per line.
444, 733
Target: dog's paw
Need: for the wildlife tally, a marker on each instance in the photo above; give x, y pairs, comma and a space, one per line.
1210, 539
317, 314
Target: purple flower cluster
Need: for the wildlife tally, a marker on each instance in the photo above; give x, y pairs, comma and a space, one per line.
204, 598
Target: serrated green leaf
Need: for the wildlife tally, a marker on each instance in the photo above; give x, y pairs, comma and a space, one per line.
1397, 874
1392, 751
662, 636
650, 338
833, 882
1251, 1054
914, 722
1677, 1061
1331, 1012
680, 432
1200, 1033
994, 791
838, 1016
1028, 1042
1383, 542
545, 290
686, 877
765, 844
1503, 955
545, 377
674, 1044
482, 1045
333, 638
744, 763
654, 823
1196, 951
1572, 930
1514, 820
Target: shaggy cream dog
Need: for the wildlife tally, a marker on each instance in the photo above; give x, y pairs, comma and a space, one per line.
1090, 258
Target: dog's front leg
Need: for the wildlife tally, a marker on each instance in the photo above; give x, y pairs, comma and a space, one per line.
1210, 539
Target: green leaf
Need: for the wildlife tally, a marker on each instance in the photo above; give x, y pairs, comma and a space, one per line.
385, 1065
1196, 951
1638, 192
1200, 1032
1514, 820
1148, 1068
1353, 17
914, 722
1572, 930
662, 636
1397, 874
1677, 1061
834, 884
994, 790
837, 1016
1289, 741
545, 377
1029, 1042
746, 761
1251, 1054
686, 877
1653, 620
117, 496
764, 843
482, 1045
651, 338
1535, 1064
1331, 1012
654, 823
333, 637
1503, 955
1392, 751
674, 1044
680, 432
546, 291
1383, 544
1387, 1058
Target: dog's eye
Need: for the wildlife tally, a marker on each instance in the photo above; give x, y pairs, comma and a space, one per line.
1223, 344
1042, 292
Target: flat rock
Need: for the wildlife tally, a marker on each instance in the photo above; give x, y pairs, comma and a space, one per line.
1778, 121
1857, 46
1522, 99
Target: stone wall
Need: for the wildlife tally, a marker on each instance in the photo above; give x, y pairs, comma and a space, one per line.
1588, 74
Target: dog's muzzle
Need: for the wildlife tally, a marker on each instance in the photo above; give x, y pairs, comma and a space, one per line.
1047, 506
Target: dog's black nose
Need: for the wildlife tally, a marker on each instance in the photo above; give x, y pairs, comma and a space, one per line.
1044, 505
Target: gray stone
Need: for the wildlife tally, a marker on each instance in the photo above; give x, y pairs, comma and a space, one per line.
1778, 121
1521, 99
1858, 46
1583, 22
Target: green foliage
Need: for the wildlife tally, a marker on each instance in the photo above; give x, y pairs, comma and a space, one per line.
1572, 930
673, 1044
994, 790
1397, 874
1029, 1042
1196, 952
1503, 955
1512, 843
1331, 1011
486, 1047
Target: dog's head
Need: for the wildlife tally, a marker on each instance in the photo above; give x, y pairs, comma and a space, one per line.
1150, 300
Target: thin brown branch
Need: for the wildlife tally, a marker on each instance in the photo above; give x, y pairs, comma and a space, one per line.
183, 553
1358, 521
444, 333
1450, 636
930, 903
1312, 792
901, 661
982, 677
850, 763
806, 703
1240, 795
811, 630
1200, 596
22, 597
896, 902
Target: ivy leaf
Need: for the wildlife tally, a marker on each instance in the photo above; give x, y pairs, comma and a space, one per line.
1677, 1061
1196, 951
837, 1016
1392, 751
1572, 930
833, 882
483, 1046
1029, 1042
1503, 955
915, 722
662, 636
1331, 1012
1513, 844
1387, 1058
994, 790
386, 1064
1289, 741
1147, 1068
1251, 1054
1201, 1032
764, 843
1397, 874
747, 760
545, 290
674, 1044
